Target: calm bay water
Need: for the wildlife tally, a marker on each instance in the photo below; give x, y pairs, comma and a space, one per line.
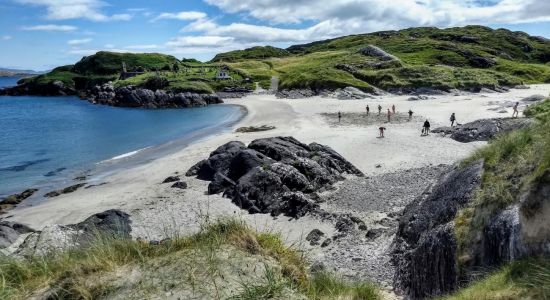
53, 139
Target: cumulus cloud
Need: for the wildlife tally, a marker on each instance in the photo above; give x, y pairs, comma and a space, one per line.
395, 13
199, 41
184, 16
79, 42
50, 27
142, 47
76, 9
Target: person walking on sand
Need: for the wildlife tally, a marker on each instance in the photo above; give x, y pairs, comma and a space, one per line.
452, 119
389, 115
515, 114
368, 110
379, 109
381, 129
339, 117
393, 108
410, 115
426, 128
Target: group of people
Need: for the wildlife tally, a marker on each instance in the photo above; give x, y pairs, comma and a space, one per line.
425, 126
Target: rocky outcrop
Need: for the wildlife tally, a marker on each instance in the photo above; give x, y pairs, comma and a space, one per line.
296, 93
374, 51
66, 190
425, 246
482, 130
55, 88
10, 231
110, 223
534, 98
131, 96
13, 200
274, 175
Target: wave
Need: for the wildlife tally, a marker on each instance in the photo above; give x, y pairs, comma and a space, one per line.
125, 155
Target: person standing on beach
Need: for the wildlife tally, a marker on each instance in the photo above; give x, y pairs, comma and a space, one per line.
339, 117
452, 119
381, 129
426, 128
515, 114
379, 109
368, 110
393, 108
410, 115
389, 115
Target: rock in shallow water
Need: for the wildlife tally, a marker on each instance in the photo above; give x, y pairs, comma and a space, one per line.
273, 175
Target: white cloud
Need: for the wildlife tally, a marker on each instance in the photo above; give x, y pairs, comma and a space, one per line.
79, 42
199, 41
142, 47
184, 16
109, 46
76, 9
369, 15
50, 27
6, 37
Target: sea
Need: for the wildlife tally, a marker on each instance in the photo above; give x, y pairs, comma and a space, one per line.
47, 142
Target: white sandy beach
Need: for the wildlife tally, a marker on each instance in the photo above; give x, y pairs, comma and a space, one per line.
158, 210
403, 148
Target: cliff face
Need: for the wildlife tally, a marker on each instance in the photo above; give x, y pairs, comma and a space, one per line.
425, 245
426, 253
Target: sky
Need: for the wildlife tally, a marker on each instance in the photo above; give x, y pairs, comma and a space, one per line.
42, 34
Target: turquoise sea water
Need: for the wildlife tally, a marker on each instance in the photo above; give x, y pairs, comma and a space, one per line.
47, 141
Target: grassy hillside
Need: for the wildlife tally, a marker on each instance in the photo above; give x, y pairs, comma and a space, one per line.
225, 260
468, 57
251, 53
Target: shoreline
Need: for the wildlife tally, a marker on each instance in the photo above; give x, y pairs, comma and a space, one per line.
94, 171
302, 119
397, 169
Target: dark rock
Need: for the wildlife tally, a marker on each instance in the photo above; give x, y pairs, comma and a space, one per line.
326, 243
425, 249
374, 51
534, 98
274, 175
220, 183
344, 224
255, 128
314, 237
482, 130
17, 198
10, 231
374, 233
295, 94
149, 97
482, 62
180, 185
112, 222
66, 190
171, 179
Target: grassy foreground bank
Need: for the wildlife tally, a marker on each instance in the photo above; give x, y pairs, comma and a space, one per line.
225, 260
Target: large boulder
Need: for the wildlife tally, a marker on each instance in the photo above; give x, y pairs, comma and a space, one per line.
482, 130
108, 224
374, 51
273, 175
10, 231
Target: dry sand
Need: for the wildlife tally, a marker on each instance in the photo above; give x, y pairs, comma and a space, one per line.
158, 211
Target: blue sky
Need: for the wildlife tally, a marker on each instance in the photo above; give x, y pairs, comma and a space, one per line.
41, 34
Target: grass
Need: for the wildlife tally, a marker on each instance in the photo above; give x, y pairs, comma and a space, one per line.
524, 279
200, 264
512, 163
428, 57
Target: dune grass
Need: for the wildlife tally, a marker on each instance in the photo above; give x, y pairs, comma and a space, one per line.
195, 261
524, 279
512, 162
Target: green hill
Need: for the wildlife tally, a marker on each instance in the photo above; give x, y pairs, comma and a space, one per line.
469, 58
251, 53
